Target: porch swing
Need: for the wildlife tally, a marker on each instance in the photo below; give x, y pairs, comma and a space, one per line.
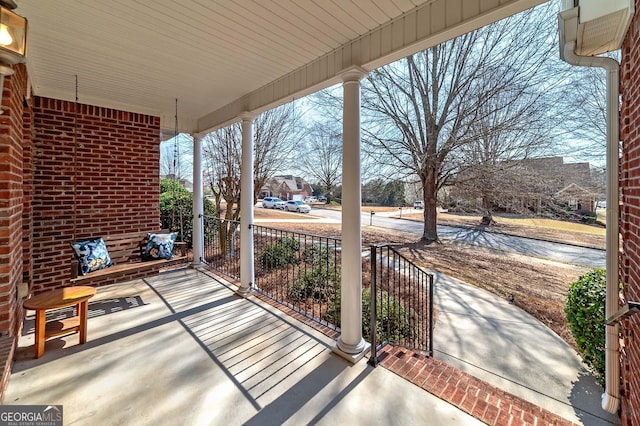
118, 256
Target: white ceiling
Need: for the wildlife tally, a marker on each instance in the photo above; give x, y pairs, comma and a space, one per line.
140, 55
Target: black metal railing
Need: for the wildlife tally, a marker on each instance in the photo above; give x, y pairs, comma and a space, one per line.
222, 245
401, 303
300, 271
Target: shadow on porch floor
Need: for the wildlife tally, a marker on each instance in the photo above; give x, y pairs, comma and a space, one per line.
182, 348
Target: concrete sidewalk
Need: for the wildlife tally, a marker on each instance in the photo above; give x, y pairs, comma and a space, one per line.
497, 342
182, 348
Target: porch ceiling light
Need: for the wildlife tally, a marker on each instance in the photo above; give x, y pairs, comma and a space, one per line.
13, 37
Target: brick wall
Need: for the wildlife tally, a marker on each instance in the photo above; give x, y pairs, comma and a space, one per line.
630, 217
96, 171
11, 202
27, 197
11, 211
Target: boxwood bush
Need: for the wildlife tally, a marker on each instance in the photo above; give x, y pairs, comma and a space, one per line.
585, 310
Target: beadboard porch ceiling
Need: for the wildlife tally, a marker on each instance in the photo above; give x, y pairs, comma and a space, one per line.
220, 58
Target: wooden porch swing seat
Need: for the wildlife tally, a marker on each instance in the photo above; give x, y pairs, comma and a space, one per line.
125, 251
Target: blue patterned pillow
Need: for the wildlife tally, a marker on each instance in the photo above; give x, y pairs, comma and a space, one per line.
159, 246
92, 255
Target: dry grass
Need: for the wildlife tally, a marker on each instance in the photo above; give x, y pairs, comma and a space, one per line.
592, 236
553, 230
538, 286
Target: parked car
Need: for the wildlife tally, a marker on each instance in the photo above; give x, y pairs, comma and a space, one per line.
310, 200
419, 204
297, 206
272, 203
322, 199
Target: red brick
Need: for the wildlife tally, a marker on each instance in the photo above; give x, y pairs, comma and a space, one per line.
457, 397
479, 409
112, 156
517, 422
630, 215
504, 418
490, 416
468, 403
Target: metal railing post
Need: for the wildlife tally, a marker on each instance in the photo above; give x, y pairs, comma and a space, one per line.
430, 315
373, 320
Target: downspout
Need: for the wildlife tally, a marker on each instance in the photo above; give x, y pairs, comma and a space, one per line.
611, 396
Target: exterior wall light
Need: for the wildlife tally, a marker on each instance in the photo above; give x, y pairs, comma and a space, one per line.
13, 38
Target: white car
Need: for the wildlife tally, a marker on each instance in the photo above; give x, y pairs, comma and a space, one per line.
418, 204
272, 203
297, 206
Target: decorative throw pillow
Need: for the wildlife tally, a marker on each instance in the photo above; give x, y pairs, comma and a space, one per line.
159, 246
92, 255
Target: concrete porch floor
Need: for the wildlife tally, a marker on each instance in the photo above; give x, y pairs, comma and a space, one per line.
182, 348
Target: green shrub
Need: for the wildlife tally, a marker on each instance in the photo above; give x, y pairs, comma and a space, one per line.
586, 216
393, 323
319, 254
273, 256
280, 254
320, 283
393, 320
289, 243
585, 310
321, 280
176, 209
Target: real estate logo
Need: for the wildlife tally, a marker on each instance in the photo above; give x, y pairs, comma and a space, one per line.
30, 415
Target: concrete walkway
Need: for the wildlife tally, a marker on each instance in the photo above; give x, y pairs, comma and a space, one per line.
497, 342
181, 348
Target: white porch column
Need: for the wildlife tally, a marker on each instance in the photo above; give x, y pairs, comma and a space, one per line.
246, 204
198, 203
350, 344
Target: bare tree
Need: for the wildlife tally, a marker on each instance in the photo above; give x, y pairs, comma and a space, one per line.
584, 108
222, 153
276, 136
322, 159
421, 110
512, 127
277, 133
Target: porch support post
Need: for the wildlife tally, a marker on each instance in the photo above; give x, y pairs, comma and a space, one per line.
198, 203
350, 344
246, 205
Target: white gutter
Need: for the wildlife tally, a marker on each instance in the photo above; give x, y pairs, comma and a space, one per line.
611, 397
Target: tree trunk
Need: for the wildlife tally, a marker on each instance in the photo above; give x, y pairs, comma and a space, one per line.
430, 230
487, 218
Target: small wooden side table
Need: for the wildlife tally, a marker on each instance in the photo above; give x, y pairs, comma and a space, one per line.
57, 299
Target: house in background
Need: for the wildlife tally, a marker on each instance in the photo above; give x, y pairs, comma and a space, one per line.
286, 187
576, 198
569, 184
525, 186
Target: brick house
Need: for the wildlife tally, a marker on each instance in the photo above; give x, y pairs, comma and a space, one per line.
539, 181
69, 170
287, 187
